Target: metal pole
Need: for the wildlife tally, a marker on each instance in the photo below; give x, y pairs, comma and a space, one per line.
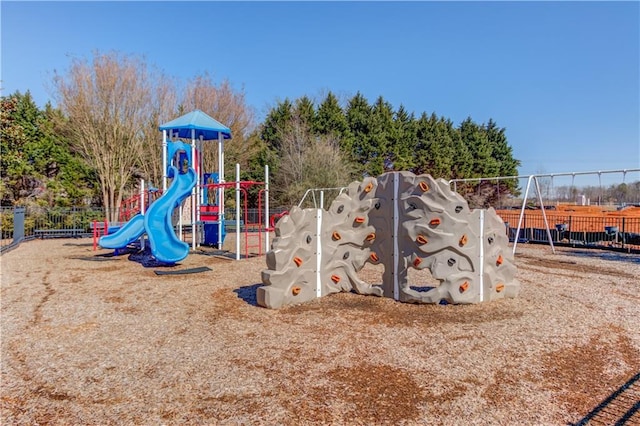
142, 199
238, 211
180, 230
194, 192
524, 202
221, 187
198, 164
164, 161
142, 206
481, 257
544, 216
394, 237
318, 237
266, 207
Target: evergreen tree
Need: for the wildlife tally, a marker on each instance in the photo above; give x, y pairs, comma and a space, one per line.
403, 140
423, 143
462, 158
475, 137
305, 110
502, 153
275, 124
377, 139
71, 181
435, 150
37, 164
14, 166
358, 115
330, 120
380, 157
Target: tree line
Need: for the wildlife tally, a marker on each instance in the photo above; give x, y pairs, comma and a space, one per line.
102, 137
326, 144
618, 194
105, 129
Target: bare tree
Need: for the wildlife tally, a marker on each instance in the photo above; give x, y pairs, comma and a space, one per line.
163, 108
107, 102
308, 161
229, 108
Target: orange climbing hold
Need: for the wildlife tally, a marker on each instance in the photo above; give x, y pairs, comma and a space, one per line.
374, 257
464, 286
336, 235
499, 260
463, 240
360, 219
297, 261
424, 186
499, 287
434, 222
417, 262
335, 278
421, 239
369, 187
371, 237
296, 291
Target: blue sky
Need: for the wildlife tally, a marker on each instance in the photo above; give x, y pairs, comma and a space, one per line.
562, 77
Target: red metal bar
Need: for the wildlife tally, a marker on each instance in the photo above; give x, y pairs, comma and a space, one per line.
243, 187
246, 223
95, 235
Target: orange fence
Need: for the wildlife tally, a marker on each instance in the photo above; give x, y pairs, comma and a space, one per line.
605, 229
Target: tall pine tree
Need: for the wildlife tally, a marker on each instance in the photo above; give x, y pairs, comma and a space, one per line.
305, 111
331, 121
358, 115
403, 140
381, 157
275, 124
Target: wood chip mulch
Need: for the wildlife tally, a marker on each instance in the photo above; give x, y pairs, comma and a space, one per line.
109, 342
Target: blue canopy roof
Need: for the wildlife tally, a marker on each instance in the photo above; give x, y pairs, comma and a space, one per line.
204, 125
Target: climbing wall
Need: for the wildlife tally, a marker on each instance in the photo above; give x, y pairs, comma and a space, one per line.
399, 220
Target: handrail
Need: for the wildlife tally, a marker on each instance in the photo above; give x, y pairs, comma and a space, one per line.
313, 192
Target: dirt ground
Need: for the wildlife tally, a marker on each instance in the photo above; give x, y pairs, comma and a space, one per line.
93, 339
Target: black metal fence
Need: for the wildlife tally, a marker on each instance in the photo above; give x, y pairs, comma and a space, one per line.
22, 224
616, 233
25, 223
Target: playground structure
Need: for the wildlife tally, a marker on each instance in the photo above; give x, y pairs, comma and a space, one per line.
534, 225
138, 203
401, 221
157, 221
210, 217
183, 164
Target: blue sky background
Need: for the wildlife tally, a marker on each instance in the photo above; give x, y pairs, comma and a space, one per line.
562, 77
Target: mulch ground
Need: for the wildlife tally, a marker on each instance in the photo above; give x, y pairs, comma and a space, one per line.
91, 339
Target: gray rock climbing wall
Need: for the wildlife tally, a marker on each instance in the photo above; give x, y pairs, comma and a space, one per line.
401, 221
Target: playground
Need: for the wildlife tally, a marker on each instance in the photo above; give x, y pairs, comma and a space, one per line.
90, 338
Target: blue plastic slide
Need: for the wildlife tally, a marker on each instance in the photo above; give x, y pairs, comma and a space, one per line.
165, 245
157, 223
129, 232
